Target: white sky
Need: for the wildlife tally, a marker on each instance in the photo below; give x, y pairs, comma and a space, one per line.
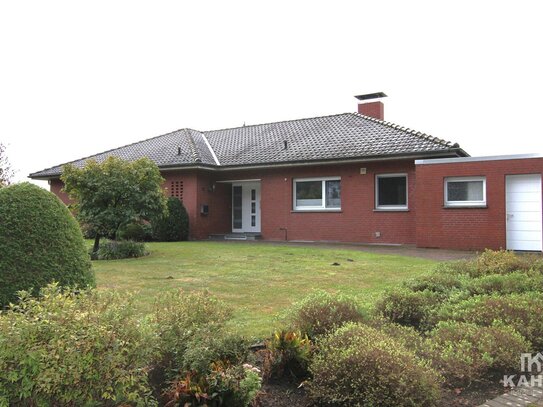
78, 78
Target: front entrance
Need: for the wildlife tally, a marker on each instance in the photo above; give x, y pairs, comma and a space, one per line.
523, 212
246, 207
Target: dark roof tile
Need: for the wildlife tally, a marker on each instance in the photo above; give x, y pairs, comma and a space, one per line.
342, 136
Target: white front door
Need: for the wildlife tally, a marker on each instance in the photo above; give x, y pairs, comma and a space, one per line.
246, 207
523, 212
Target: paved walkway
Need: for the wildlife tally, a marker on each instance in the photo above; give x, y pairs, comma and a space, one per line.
522, 396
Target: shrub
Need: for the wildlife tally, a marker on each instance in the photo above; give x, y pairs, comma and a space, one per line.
521, 312
138, 232
466, 352
229, 386
287, 351
515, 282
504, 262
74, 349
493, 262
205, 350
321, 312
40, 242
406, 307
182, 318
120, 249
174, 226
358, 365
203, 363
408, 336
437, 282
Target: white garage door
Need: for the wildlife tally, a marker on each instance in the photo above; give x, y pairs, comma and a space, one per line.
523, 211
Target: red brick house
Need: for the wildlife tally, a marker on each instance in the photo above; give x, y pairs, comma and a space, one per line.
348, 178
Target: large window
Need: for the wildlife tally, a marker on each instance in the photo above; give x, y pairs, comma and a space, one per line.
317, 194
465, 191
391, 191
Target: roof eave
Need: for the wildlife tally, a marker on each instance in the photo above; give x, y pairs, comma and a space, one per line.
446, 153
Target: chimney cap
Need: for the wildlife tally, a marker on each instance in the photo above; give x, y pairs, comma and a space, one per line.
368, 96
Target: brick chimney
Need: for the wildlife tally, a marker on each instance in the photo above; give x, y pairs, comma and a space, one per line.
375, 109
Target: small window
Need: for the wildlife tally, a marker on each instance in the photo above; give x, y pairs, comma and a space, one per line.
315, 194
391, 191
465, 191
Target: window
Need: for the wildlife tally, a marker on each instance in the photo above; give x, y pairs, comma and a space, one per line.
391, 191
465, 191
317, 194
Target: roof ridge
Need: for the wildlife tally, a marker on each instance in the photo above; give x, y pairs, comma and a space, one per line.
206, 141
282, 121
192, 145
419, 134
110, 150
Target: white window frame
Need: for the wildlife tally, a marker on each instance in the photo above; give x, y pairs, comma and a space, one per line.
392, 207
460, 204
323, 196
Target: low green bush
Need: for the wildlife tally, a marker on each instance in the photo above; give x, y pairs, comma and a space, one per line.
206, 349
228, 386
406, 307
120, 249
408, 336
521, 312
515, 282
198, 360
356, 365
181, 319
287, 352
465, 352
70, 349
437, 282
322, 312
138, 232
505, 262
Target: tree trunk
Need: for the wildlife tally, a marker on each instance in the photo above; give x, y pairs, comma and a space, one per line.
96, 243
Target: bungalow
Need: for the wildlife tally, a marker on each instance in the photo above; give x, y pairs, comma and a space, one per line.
350, 177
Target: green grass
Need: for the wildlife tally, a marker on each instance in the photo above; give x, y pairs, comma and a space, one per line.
257, 280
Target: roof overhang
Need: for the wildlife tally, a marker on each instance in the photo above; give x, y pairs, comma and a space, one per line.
453, 153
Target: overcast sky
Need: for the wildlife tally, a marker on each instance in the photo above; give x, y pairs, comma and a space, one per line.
78, 78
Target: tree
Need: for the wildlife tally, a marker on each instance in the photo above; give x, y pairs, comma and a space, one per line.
6, 173
113, 193
174, 225
40, 242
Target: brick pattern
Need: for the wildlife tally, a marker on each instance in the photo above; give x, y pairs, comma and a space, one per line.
426, 222
176, 189
466, 228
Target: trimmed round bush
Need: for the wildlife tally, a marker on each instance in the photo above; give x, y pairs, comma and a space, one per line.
322, 312
466, 352
40, 242
359, 366
175, 225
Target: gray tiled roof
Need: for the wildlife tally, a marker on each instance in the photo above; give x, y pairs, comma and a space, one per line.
342, 136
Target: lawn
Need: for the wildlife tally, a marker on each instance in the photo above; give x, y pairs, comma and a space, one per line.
258, 280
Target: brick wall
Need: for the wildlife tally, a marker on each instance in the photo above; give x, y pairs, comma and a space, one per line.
357, 221
466, 228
